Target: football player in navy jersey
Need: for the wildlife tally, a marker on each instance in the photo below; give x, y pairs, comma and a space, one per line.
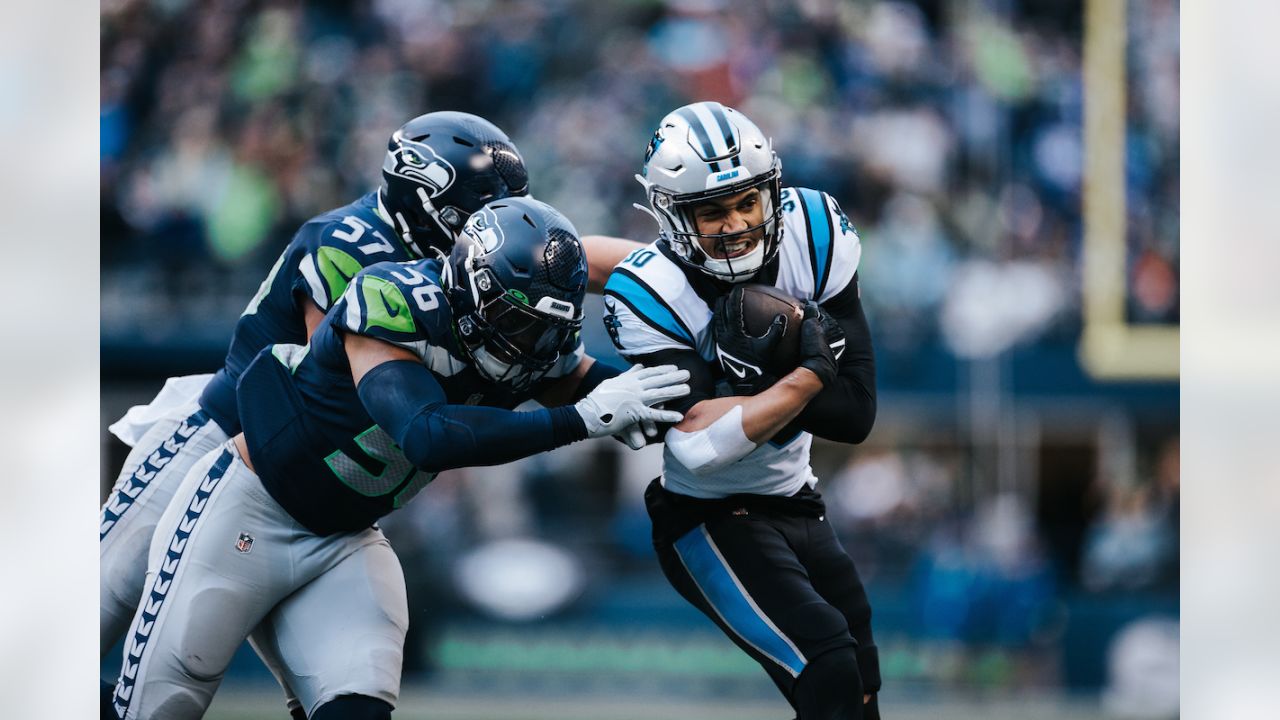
413, 371
439, 169
738, 525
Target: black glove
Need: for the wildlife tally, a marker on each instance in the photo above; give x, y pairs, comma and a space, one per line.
743, 357
816, 346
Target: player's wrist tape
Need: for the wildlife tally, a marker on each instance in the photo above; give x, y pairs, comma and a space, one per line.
719, 444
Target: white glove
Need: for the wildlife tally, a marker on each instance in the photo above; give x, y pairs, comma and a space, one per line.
633, 436
622, 401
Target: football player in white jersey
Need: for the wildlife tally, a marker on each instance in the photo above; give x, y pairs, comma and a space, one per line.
738, 525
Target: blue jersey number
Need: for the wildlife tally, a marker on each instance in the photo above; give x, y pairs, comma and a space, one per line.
788, 204
427, 296
639, 257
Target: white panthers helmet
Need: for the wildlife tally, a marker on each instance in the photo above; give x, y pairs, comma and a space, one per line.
704, 151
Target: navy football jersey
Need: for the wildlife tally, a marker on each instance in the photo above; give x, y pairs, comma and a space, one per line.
325, 253
311, 440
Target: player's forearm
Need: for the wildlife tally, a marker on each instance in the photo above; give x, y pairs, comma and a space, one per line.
406, 401
763, 414
455, 436
719, 432
603, 253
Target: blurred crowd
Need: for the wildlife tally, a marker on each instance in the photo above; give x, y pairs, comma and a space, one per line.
951, 132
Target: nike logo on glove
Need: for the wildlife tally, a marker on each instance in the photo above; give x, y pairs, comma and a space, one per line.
735, 365
837, 348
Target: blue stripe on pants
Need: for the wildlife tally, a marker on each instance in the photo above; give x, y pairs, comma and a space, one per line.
731, 602
124, 496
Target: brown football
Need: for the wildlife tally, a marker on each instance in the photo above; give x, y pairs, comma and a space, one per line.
760, 304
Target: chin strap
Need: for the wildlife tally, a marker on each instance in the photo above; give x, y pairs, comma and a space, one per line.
401, 226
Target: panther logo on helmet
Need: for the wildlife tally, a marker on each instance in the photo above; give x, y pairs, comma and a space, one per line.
419, 162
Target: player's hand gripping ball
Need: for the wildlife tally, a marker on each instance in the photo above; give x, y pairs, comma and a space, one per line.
756, 329
822, 343
760, 334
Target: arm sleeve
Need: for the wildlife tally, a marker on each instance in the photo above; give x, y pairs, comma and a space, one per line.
845, 411
406, 400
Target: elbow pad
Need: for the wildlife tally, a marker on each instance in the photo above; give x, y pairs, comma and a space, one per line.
721, 443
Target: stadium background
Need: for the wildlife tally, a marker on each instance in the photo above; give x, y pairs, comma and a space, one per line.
1015, 512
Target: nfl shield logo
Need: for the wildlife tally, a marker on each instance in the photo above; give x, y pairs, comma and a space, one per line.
245, 543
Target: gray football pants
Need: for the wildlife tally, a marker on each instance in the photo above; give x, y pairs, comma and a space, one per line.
226, 559
152, 472
147, 481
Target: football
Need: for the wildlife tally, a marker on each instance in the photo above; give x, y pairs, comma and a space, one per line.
760, 305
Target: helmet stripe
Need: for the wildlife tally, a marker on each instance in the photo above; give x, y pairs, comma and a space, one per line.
718, 145
700, 130
717, 112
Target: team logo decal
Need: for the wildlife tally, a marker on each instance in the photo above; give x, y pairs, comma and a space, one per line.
245, 542
418, 162
483, 228
654, 143
611, 322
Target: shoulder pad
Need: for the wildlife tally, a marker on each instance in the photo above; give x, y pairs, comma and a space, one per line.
337, 245
395, 302
650, 306
828, 241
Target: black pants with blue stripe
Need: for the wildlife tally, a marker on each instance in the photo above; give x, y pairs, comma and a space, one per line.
770, 572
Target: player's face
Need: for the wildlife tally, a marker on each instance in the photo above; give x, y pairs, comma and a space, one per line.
730, 214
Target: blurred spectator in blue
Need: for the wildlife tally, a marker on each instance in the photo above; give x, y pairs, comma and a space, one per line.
985, 580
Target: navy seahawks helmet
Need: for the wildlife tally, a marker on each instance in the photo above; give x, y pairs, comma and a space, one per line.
440, 168
516, 280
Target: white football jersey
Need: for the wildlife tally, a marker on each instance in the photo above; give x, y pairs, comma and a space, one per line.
652, 306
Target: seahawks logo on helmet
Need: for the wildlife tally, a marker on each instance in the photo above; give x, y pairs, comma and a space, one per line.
484, 229
418, 162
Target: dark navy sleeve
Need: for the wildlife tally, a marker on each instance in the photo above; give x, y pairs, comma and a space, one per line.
406, 400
